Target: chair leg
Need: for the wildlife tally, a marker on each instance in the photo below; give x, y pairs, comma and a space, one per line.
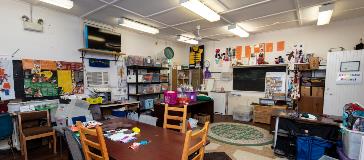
11, 146
54, 143
25, 149
21, 145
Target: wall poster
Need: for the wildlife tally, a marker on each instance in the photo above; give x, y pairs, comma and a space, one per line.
6, 80
196, 56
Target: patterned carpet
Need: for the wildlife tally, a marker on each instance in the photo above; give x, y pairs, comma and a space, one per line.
253, 144
239, 134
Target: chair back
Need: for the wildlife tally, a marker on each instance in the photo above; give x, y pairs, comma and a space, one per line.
88, 143
194, 146
6, 126
181, 119
33, 119
74, 144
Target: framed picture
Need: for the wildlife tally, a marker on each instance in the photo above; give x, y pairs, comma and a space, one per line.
350, 66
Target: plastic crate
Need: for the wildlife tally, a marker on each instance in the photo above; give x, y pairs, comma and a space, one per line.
242, 116
192, 96
119, 113
170, 97
351, 142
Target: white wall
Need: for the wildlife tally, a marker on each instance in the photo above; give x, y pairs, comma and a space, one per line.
63, 36
316, 39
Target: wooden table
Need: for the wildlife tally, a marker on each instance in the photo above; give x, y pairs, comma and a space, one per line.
206, 107
165, 144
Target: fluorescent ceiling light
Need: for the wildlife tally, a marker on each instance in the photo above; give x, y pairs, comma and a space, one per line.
325, 13
68, 4
216, 5
238, 31
201, 9
187, 40
137, 26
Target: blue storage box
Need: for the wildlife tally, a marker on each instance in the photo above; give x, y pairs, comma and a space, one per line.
311, 148
119, 113
148, 103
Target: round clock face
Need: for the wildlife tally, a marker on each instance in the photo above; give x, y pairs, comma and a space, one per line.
207, 63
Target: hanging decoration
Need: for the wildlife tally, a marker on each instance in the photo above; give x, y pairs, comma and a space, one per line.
196, 56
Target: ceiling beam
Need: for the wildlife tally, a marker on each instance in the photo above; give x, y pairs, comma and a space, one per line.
298, 12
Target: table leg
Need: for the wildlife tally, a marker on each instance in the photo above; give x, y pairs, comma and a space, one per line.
276, 132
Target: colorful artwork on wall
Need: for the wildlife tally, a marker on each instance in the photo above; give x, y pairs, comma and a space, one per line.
196, 56
45, 78
6, 80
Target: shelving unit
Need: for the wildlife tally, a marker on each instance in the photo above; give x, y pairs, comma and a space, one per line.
138, 95
84, 51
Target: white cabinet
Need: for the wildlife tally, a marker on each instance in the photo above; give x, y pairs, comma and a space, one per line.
220, 101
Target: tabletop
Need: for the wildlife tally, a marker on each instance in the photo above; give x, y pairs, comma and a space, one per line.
165, 144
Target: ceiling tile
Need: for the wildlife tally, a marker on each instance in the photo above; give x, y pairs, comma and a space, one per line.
214, 31
204, 24
280, 18
233, 4
276, 26
80, 7
176, 16
147, 7
110, 14
170, 31
311, 3
309, 15
347, 6
260, 10
222, 36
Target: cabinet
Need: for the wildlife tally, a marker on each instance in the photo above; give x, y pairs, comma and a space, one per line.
262, 114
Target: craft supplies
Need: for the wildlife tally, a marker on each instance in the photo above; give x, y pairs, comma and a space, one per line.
136, 145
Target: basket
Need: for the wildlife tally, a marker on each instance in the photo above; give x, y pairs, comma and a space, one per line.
170, 97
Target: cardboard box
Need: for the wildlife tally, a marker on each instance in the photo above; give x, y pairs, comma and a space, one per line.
305, 91
314, 62
302, 67
317, 91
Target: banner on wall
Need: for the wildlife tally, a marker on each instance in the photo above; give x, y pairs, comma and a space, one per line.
196, 56
349, 78
6, 80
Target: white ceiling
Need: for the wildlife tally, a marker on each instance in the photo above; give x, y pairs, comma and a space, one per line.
171, 18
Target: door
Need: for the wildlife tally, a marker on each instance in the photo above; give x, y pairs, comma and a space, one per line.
337, 95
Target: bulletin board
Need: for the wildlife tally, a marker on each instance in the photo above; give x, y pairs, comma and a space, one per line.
196, 56
50, 79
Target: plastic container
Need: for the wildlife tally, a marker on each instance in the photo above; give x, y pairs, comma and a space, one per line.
192, 96
351, 142
119, 113
148, 119
242, 116
148, 103
170, 97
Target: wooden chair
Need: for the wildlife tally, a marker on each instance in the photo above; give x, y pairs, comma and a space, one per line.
34, 125
194, 145
100, 146
167, 116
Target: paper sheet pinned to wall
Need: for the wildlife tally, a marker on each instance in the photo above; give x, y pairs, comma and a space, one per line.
239, 52
65, 80
248, 51
280, 46
6, 80
268, 47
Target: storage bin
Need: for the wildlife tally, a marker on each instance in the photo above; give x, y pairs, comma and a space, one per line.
351, 142
148, 103
192, 96
147, 77
148, 119
155, 77
132, 78
157, 88
202, 118
170, 97
163, 78
242, 116
119, 113
311, 148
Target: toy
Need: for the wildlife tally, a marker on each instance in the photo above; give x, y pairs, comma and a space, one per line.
136, 130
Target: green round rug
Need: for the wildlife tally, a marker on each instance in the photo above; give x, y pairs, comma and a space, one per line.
239, 134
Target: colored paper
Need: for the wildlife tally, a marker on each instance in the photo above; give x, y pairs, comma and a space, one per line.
280, 46
48, 65
239, 52
248, 51
28, 63
268, 47
65, 80
256, 48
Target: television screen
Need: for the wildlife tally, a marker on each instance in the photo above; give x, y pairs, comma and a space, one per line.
252, 78
102, 39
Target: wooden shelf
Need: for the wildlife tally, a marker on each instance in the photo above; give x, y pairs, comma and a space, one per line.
147, 67
146, 82
145, 94
262, 65
101, 51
